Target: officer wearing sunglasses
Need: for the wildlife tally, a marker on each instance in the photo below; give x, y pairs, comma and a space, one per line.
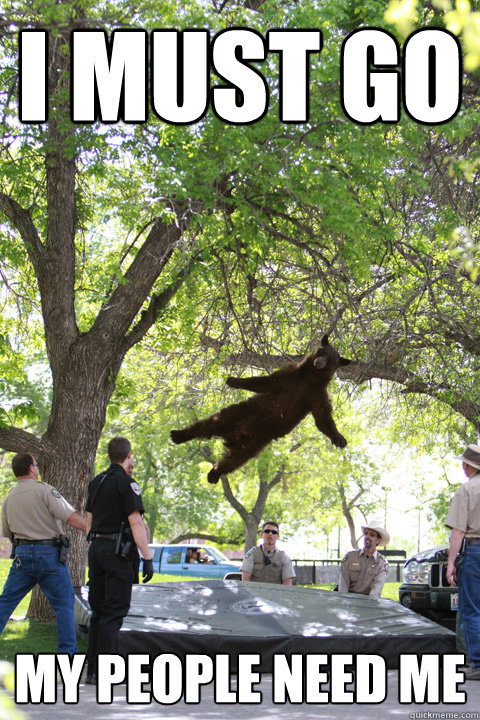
265, 563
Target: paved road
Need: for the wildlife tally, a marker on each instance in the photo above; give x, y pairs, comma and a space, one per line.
390, 709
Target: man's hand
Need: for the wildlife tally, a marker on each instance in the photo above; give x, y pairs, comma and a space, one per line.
456, 539
451, 572
147, 570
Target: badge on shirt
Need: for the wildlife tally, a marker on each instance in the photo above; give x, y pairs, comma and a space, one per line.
136, 488
55, 493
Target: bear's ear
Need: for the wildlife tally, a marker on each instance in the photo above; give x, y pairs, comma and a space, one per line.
345, 361
324, 341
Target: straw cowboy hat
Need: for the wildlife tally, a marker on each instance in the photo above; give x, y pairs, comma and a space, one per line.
471, 456
374, 525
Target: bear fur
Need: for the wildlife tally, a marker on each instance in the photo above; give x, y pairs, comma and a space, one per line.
282, 400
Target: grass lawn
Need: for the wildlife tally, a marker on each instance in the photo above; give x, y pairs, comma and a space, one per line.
26, 636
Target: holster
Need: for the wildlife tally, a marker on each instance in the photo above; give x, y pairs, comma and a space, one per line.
124, 543
14, 547
63, 543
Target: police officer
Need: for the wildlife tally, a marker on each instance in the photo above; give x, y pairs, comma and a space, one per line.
364, 571
116, 529
464, 520
32, 518
265, 563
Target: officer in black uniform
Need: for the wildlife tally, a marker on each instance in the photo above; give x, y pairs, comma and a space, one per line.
116, 528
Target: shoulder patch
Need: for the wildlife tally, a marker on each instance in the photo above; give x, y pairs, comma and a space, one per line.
250, 552
55, 493
136, 488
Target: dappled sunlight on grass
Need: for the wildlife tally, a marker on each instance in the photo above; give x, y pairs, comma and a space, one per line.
25, 636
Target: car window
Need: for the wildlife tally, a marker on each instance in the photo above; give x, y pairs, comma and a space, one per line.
155, 552
174, 555
217, 554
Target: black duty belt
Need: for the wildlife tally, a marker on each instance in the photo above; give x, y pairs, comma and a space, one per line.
104, 536
473, 541
53, 541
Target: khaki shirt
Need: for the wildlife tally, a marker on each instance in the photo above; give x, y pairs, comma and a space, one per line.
464, 513
34, 510
279, 569
362, 574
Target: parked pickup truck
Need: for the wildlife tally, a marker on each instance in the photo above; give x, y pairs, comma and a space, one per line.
425, 588
191, 560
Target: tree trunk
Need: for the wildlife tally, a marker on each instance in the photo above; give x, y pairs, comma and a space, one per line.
251, 519
346, 509
84, 365
251, 529
351, 527
39, 607
69, 446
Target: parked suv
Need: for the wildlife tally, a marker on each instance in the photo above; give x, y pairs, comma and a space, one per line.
425, 588
191, 560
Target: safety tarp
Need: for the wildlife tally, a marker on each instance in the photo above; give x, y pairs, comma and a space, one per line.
232, 617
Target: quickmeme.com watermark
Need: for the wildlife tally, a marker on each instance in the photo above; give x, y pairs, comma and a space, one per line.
429, 715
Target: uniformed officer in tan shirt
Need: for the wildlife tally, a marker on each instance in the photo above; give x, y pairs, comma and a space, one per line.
265, 563
365, 571
32, 515
464, 520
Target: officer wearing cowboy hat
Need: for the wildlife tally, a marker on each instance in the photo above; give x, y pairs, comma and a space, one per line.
464, 520
364, 571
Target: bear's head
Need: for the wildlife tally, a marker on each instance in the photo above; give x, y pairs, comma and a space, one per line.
326, 358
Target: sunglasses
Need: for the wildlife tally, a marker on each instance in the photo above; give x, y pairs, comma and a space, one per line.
267, 532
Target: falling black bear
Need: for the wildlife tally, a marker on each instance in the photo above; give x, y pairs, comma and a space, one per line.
283, 399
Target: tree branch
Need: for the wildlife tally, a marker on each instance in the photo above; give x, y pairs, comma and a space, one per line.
359, 372
16, 440
230, 497
279, 475
22, 221
156, 305
220, 539
115, 317
262, 496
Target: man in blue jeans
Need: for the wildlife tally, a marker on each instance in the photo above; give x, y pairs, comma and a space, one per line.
464, 520
32, 518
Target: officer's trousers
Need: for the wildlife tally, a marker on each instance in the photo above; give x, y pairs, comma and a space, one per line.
469, 600
110, 579
39, 564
